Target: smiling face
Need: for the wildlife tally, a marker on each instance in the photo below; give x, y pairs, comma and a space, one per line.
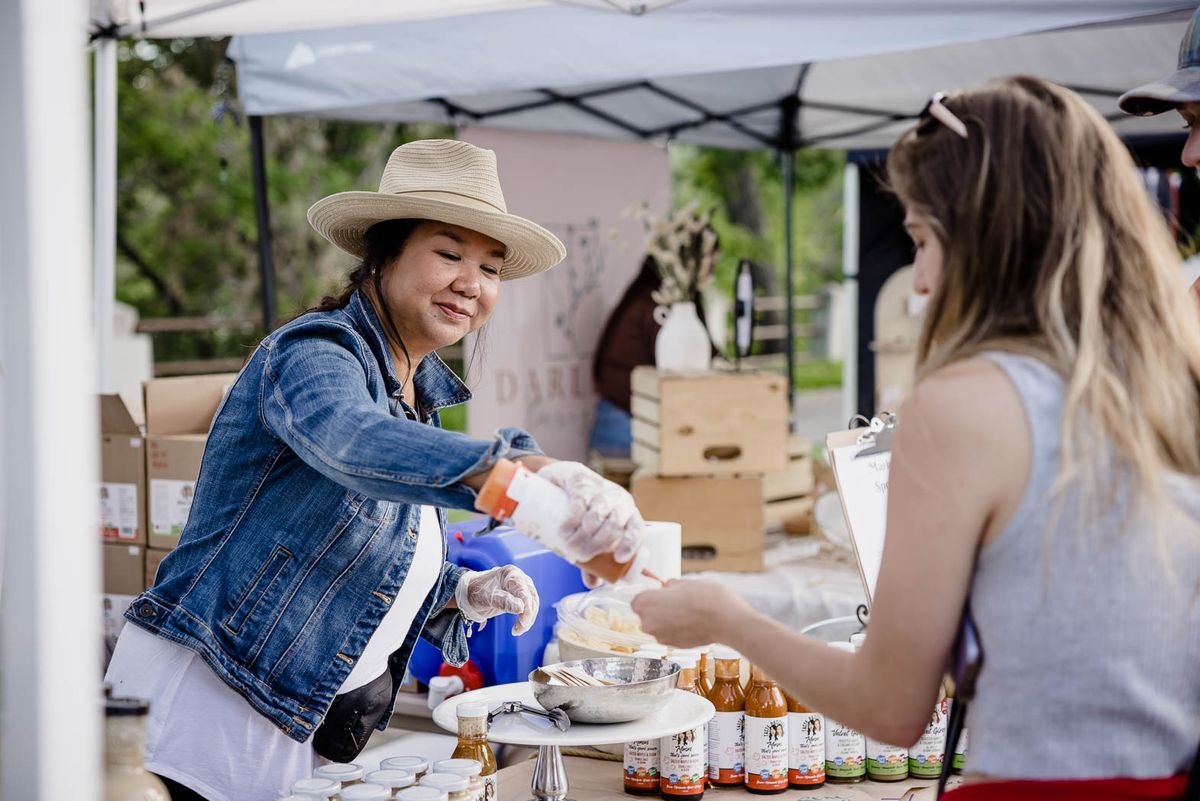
1191, 118
443, 285
928, 257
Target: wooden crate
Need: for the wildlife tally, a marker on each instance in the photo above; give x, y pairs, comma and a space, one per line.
721, 516
788, 493
708, 423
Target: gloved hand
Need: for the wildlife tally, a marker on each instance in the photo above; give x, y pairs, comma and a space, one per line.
501, 590
602, 516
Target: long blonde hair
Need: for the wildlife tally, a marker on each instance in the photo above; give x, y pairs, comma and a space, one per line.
1054, 249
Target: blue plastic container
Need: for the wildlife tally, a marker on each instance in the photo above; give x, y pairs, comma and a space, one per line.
501, 657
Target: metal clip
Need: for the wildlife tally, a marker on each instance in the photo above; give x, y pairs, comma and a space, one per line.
878, 435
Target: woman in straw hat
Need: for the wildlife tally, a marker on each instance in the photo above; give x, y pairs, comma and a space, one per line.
280, 628
1045, 474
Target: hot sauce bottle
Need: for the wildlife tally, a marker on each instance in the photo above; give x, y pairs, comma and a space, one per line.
727, 729
766, 735
683, 757
806, 746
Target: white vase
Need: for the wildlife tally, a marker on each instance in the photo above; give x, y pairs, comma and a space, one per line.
682, 342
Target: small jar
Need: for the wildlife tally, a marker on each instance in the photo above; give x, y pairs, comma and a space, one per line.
457, 787
422, 793
392, 778
366, 792
316, 788
294, 797
472, 769
417, 766
345, 773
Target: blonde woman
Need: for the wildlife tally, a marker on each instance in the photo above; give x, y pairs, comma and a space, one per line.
1046, 469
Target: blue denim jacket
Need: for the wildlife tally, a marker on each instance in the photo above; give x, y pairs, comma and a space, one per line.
306, 513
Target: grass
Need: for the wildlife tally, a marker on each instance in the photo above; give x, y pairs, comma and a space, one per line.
818, 374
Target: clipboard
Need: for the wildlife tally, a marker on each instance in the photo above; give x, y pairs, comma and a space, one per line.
861, 461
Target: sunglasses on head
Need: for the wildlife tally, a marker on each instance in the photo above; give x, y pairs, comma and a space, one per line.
936, 109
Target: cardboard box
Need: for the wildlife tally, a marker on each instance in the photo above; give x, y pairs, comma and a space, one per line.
122, 474
124, 569
708, 423
179, 412
721, 516
154, 558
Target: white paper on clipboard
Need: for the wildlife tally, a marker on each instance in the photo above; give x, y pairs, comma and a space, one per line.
862, 486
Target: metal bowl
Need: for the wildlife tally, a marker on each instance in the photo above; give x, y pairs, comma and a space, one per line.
643, 687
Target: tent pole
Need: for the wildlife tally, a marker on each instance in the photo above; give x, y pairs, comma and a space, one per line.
262, 215
850, 209
789, 168
104, 206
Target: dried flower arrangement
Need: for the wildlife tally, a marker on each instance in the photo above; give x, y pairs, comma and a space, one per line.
684, 249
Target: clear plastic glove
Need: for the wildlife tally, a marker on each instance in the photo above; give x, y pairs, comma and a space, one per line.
602, 516
500, 591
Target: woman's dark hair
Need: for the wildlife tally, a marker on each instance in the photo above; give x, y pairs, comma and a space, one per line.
382, 244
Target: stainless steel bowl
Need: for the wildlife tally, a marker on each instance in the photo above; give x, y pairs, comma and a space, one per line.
642, 687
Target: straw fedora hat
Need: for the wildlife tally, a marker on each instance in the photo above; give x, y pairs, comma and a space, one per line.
447, 181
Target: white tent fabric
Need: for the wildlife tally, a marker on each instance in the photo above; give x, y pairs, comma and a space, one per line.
714, 72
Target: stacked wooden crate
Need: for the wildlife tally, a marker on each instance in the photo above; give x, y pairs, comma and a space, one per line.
710, 448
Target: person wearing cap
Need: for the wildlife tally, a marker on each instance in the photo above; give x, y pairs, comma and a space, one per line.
279, 630
1179, 91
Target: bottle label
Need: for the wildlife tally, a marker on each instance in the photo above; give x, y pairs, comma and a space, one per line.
926, 755
766, 753
806, 748
641, 765
887, 761
960, 751
727, 748
489, 787
845, 751
682, 759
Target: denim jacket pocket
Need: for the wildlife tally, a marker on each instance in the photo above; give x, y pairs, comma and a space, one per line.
259, 588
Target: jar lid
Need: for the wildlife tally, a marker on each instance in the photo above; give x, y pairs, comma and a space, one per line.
857, 640
366, 792
725, 652
294, 797
120, 707
459, 767
685, 661
391, 777
424, 793
339, 771
413, 764
472, 709
450, 782
318, 788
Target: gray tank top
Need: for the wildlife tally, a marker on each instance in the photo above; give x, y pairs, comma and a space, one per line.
1092, 651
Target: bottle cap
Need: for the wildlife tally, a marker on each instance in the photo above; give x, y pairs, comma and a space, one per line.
857, 640
423, 793
685, 661
366, 792
339, 772
316, 788
472, 709
725, 652
450, 782
459, 767
842, 646
391, 777
413, 764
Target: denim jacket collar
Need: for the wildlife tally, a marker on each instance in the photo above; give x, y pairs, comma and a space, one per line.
434, 383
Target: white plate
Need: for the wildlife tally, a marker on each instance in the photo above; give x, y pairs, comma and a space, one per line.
684, 711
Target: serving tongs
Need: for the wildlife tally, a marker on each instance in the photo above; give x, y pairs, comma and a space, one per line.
556, 716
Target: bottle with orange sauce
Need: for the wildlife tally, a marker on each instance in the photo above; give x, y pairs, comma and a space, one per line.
766, 735
727, 729
683, 757
806, 746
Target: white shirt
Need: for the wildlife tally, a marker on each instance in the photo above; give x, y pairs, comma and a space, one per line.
204, 735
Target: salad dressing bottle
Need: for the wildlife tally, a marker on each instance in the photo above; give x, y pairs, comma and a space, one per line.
766, 735
727, 729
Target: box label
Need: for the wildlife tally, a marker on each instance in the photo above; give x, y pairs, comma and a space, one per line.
118, 511
170, 503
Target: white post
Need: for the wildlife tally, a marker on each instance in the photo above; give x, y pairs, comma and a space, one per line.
104, 210
50, 644
850, 295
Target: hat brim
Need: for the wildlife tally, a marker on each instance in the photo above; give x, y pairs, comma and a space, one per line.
1181, 86
344, 218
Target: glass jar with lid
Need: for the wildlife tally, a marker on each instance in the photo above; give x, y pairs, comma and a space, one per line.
392, 778
471, 768
366, 792
457, 787
422, 793
418, 766
316, 788
125, 774
345, 773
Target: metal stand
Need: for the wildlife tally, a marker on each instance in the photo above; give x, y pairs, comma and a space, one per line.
549, 781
